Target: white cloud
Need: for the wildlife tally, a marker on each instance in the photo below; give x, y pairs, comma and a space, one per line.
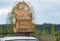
6, 11
3, 15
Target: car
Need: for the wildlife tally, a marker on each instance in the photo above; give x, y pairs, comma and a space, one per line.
19, 38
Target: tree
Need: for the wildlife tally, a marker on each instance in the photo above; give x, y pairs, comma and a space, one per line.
11, 20
0, 29
37, 32
11, 17
53, 31
58, 32
44, 32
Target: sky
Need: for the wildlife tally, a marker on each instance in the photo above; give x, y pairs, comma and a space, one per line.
45, 11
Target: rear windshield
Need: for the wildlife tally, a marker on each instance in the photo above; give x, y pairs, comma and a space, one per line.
23, 40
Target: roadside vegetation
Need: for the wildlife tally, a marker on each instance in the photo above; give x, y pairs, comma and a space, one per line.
42, 35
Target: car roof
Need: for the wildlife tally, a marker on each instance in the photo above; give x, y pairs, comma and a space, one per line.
18, 37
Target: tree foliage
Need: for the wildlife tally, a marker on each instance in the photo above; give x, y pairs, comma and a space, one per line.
44, 32
53, 31
58, 32
11, 17
0, 29
37, 32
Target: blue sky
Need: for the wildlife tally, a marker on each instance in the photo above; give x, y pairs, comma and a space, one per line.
46, 11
